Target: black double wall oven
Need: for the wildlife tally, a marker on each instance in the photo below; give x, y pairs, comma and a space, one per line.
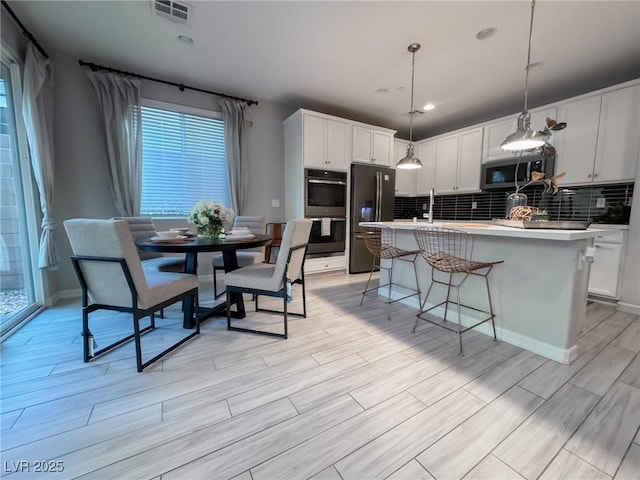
325, 194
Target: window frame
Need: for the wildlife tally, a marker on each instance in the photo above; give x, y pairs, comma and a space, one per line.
31, 201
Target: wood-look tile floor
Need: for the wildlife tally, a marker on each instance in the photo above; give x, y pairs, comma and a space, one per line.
350, 395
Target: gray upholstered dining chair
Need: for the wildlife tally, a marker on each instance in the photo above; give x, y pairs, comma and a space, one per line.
245, 257
274, 280
111, 277
142, 228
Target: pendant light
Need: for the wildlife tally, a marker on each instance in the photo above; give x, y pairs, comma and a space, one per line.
524, 138
410, 161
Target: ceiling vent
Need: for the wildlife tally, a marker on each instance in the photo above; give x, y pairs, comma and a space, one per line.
178, 12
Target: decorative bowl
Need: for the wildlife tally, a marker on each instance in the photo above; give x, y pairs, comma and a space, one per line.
168, 234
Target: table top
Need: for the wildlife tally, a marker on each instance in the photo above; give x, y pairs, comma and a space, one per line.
202, 244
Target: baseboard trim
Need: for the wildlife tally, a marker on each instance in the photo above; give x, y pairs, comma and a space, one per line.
63, 295
552, 352
628, 308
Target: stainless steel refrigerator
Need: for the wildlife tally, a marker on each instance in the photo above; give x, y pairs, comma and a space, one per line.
372, 199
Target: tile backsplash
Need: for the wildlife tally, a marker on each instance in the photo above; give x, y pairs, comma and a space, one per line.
598, 204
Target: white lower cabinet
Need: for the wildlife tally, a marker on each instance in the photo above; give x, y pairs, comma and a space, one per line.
325, 264
605, 271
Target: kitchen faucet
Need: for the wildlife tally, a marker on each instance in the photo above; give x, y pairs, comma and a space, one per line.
430, 220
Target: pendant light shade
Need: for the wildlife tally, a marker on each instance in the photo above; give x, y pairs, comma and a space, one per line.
410, 161
524, 138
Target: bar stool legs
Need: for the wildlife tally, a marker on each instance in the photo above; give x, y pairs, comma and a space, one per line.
449, 252
380, 241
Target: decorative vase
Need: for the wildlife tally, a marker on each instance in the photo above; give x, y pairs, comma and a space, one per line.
515, 200
211, 231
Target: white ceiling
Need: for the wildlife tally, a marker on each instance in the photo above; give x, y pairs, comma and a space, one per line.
333, 56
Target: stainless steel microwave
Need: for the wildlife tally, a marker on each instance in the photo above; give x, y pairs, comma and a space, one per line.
503, 173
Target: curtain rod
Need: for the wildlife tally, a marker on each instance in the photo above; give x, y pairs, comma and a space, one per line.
25, 32
94, 67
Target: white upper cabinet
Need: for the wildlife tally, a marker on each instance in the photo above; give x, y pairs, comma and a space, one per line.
416, 182
618, 136
495, 132
469, 161
576, 144
458, 162
325, 143
601, 142
405, 179
494, 135
371, 145
446, 179
425, 176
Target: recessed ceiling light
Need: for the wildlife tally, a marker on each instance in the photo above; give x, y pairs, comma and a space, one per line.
534, 65
486, 33
185, 39
428, 107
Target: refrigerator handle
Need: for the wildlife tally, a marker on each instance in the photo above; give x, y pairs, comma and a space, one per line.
378, 195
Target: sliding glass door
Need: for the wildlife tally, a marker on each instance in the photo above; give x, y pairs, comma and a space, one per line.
17, 293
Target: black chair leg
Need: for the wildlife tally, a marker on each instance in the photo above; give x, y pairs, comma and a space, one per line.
216, 295
285, 317
136, 328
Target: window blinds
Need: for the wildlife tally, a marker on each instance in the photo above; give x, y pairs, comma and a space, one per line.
184, 161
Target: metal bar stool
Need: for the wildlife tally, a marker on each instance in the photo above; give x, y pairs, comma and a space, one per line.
381, 242
449, 251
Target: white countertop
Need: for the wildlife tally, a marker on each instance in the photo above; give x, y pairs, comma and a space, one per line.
486, 228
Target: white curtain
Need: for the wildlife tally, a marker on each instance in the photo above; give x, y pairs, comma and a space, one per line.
235, 123
37, 112
119, 100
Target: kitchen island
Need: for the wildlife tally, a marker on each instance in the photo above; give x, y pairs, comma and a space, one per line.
539, 293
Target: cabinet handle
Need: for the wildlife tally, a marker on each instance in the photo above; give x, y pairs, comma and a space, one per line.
595, 175
589, 176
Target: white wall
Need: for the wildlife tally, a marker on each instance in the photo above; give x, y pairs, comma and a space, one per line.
11, 35
82, 188
630, 288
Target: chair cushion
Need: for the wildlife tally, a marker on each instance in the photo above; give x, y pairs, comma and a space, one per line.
259, 276
164, 285
266, 276
244, 259
164, 264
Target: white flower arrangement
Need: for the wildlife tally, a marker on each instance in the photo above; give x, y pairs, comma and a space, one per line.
211, 218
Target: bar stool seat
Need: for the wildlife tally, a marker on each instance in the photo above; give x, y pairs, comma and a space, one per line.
381, 243
449, 251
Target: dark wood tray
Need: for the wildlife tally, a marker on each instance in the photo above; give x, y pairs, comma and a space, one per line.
549, 225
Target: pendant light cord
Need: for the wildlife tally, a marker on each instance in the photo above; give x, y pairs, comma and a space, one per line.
413, 68
526, 78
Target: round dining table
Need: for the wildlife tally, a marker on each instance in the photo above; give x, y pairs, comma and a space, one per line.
190, 248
